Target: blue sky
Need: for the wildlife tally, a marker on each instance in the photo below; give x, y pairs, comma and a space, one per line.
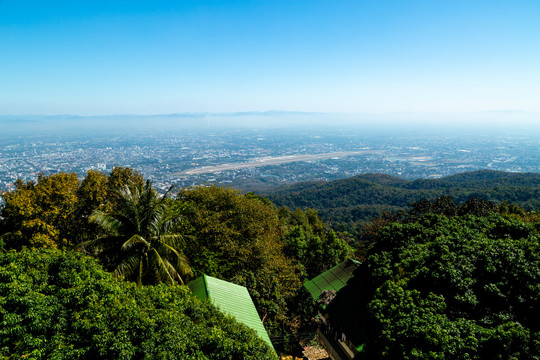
377, 56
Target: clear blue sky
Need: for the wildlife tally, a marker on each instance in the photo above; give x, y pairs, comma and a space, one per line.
147, 57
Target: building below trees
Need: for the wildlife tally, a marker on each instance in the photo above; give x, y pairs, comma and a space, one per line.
231, 299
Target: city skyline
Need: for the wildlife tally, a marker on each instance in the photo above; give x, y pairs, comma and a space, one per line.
96, 58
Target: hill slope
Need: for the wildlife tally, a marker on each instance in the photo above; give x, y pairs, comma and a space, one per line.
346, 202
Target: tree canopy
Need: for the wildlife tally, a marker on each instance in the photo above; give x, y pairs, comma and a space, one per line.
63, 305
244, 239
247, 240
346, 204
238, 239
39, 214
53, 212
438, 286
309, 242
142, 242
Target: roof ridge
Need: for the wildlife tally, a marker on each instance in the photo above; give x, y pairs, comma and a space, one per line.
206, 288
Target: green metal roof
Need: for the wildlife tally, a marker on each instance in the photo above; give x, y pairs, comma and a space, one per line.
332, 279
232, 299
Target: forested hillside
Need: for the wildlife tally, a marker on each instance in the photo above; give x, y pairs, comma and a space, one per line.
142, 237
89, 266
346, 203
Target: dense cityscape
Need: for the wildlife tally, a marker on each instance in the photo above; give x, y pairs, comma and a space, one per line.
258, 158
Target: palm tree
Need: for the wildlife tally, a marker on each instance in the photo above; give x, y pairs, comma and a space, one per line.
141, 244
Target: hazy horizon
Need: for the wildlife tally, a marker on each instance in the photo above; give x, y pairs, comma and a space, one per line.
162, 57
494, 121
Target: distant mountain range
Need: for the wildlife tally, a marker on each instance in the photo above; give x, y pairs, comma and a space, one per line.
281, 118
348, 202
199, 120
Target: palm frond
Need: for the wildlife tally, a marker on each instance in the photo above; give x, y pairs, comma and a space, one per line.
134, 241
129, 266
169, 190
139, 278
180, 261
107, 222
174, 240
163, 267
181, 257
169, 226
99, 245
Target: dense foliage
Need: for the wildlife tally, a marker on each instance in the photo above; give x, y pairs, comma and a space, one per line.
148, 239
344, 204
246, 240
62, 305
309, 242
455, 286
237, 239
39, 215
142, 242
53, 212
439, 280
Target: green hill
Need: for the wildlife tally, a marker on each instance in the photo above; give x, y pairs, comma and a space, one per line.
346, 202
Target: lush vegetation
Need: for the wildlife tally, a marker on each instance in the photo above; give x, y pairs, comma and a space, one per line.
247, 240
347, 204
140, 236
447, 281
53, 212
142, 242
439, 279
63, 305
